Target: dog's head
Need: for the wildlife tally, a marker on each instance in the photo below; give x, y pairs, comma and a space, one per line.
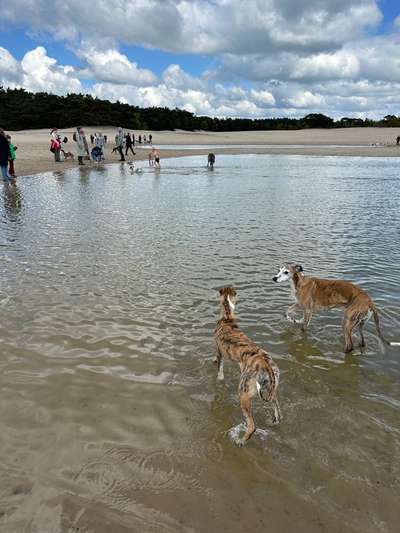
287, 272
228, 293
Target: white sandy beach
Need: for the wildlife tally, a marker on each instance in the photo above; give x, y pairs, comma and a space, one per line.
34, 156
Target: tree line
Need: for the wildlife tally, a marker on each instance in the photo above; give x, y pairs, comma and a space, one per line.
20, 110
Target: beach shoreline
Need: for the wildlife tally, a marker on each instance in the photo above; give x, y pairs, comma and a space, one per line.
34, 156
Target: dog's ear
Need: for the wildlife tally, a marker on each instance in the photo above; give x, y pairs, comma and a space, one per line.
221, 291
233, 292
298, 268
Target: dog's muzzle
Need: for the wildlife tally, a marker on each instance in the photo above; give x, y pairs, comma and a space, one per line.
275, 278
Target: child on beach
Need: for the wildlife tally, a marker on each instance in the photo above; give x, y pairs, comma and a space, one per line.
152, 155
11, 169
157, 159
4, 157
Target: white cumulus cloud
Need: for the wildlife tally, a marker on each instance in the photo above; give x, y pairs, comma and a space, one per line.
175, 76
110, 65
265, 57
37, 72
307, 99
202, 26
10, 69
341, 64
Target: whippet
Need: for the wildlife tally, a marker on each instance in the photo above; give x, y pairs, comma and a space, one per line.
259, 374
314, 293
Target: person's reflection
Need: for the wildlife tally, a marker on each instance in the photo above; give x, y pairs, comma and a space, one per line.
123, 170
84, 179
12, 198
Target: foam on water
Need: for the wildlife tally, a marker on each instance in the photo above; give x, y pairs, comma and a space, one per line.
236, 432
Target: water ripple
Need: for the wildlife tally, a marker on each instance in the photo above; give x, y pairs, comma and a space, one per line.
109, 299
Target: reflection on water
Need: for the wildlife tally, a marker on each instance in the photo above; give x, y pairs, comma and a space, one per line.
111, 417
12, 200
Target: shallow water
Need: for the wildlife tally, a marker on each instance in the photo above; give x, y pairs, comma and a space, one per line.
111, 418
212, 147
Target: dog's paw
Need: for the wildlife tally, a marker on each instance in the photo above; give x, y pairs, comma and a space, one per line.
220, 377
239, 442
292, 319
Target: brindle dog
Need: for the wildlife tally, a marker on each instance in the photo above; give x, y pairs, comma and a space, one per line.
259, 374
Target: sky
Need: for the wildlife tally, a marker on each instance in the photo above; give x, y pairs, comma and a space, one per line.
237, 58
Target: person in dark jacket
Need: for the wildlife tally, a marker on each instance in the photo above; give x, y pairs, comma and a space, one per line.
5, 155
128, 144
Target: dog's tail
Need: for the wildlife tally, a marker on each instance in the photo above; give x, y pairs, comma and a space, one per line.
378, 329
267, 381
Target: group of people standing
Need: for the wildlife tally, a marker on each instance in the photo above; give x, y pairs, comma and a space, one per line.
7, 158
58, 146
123, 144
126, 142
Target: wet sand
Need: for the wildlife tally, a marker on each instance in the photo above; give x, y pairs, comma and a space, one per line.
34, 156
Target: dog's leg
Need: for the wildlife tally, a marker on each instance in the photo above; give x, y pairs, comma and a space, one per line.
245, 404
292, 309
216, 355
360, 329
277, 416
348, 326
220, 365
220, 375
306, 318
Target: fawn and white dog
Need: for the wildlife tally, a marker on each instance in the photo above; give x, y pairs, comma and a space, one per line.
311, 294
259, 374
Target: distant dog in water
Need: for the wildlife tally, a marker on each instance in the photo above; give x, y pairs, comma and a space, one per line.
311, 294
69, 155
259, 374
